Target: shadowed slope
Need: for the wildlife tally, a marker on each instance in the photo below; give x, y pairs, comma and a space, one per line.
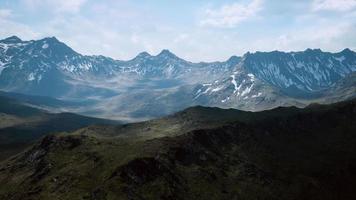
285, 153
20, 125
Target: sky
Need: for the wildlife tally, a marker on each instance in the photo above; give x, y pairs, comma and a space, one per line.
196, 30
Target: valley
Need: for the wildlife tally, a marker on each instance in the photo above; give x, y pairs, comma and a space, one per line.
159, 85
177, 100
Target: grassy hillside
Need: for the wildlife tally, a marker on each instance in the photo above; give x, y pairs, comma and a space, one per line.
20, 125
199, 153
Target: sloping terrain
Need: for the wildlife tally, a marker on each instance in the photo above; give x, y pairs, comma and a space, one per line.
20, 125
344, 89
45, 101
199, 153
264, 80
49, 67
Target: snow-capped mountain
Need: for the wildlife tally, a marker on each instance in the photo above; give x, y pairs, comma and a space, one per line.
241, 90
48, 53
144, 85
46, 66
49, 67
301, 72
166, 65
304, 75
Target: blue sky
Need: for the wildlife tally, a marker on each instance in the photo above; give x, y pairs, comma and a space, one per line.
196, 30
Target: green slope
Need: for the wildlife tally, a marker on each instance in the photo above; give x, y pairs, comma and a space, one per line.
20, 125
199, 153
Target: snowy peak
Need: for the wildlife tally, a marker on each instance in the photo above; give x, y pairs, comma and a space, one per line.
300, 72
260, 76
51, 39
234, 60
32, 66
313, 51
53, 46
348, 52
49, 47
165, 53
12, 39
142, 55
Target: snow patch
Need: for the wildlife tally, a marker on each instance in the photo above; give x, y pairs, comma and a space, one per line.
225, 100
247, 90
201, 93
340, 59
31, 77
5, 47
256, 95
217, 89
39, 78
45, 46
1, 66
233, 81
252, 77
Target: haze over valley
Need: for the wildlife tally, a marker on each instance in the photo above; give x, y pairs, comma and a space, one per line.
150, 86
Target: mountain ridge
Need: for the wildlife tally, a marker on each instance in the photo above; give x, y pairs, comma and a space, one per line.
15, 38
285, 153
21, 124
255, 81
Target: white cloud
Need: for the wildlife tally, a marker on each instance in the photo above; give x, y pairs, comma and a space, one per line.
328, 38
231, 15
101, 29
5, 13
181, 38
59, 6
14, 28
69, 5
333, 5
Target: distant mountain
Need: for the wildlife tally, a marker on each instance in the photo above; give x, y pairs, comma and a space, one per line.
268, 79
198, 153
150, 86
300, 73
21, 125
48, 67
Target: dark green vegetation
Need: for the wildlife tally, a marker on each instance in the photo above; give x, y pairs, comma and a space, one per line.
21, 125
199, 153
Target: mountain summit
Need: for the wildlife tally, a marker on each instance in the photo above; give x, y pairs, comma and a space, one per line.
12, 39
165, 53
143, 55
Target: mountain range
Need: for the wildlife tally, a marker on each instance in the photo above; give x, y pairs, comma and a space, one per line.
150, 86
283, 143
